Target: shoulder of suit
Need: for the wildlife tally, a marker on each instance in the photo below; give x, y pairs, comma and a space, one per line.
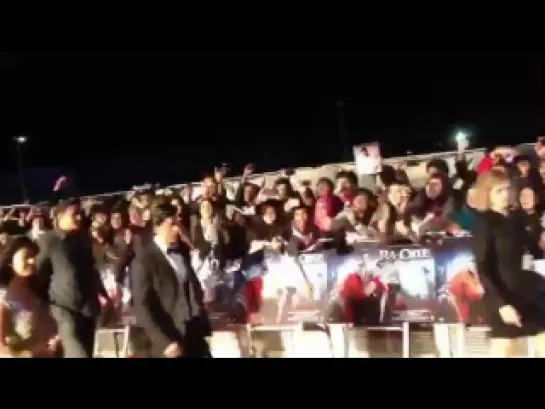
147, 249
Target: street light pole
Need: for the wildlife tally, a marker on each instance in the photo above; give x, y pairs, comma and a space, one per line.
19, 142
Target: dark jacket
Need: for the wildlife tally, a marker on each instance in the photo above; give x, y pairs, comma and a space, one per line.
167, 311
67, 272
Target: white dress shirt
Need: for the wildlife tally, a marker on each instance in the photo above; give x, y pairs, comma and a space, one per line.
175, 260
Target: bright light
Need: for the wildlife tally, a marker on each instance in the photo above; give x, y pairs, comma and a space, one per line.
20, 139
461, 136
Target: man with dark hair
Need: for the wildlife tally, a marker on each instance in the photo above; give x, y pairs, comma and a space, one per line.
167, 296
65, 266
347, 185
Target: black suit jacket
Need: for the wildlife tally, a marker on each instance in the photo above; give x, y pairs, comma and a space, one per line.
67, 274
166, 311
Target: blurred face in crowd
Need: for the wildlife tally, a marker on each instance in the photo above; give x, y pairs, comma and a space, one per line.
250, 193
146, 215
344, 184
540, 147
496, 158
168, 231
300, 218
206, 209
116, 221
269, 214
38, 223
395, 195
527, 199
99, 220
187, 194
135, 216
434, 187
324, 189
3, 238
69, 219
23, 261
524, 168
406, 193
499, 196
210, 187
542, 169
433, 170
145, 199
283, 190
360, 205
308, 197
178, 205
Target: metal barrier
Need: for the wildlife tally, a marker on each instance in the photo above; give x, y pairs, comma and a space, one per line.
405, 340
108, 345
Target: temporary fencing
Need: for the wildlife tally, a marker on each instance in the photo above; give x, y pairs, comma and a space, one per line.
403, 340
379, 300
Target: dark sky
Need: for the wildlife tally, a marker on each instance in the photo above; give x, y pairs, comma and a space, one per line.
179, 113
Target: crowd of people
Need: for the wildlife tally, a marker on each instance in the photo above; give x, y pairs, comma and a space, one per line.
53, 254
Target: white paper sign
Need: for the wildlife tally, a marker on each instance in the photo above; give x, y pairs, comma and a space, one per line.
367, 158
539, 267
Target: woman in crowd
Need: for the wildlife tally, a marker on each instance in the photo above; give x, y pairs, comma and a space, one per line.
356, 218
512, 294
285, 189
347, 186
308, 199
208, 232
304, 235
104, 252
118, 220
265, 231
268, 229
393, 220
531, 214
433, 206
26, 328
247, 192
182, 212
328, 205
38, 223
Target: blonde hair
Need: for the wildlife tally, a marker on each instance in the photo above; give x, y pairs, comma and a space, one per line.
484, 184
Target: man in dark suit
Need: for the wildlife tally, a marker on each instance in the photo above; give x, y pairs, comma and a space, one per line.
72, 284
167, 296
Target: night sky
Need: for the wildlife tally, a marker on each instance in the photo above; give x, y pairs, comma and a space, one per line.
169, 116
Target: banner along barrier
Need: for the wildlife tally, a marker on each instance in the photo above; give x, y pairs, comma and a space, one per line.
374, 285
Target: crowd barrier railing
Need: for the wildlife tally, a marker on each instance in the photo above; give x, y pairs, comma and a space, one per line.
433, 292
333, 341
436, 282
